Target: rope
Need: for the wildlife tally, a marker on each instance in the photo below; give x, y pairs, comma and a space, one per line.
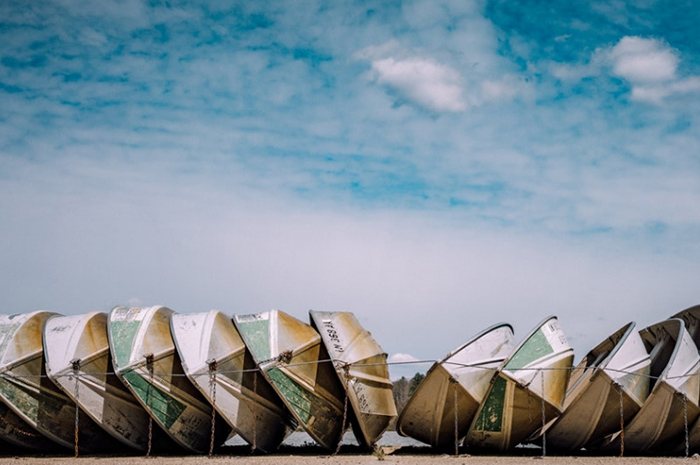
212, 392
346, 369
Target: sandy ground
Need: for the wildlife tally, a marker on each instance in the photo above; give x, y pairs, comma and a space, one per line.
313, 456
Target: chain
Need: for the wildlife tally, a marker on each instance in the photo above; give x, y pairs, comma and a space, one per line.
454, 391
149, 365
346, 369
212, 391
17, 430
255, 412
685, 423
544, 418
622, 422
76, 369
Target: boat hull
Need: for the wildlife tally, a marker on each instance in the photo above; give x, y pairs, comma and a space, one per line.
360, 364
235, 387
82, 339
674, 397
527, 392
145, 359
467, 372
27, 390
618, 366
292, 359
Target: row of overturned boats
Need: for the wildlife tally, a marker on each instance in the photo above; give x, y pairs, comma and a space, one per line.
159, 381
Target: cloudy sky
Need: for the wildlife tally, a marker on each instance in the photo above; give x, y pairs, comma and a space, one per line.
435, 167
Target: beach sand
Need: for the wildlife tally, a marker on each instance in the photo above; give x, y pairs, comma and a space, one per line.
350, 456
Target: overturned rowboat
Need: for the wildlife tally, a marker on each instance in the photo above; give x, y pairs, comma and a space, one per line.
691, 318
361, 367
25, 388
527, 392
78, 361
673, 400
616, 371
215, 359
145, 359
292, 359
465, 373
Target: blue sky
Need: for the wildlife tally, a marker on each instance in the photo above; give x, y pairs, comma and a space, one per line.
435, 167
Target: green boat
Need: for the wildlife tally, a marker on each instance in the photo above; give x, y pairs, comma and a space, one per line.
287, 352
145, 359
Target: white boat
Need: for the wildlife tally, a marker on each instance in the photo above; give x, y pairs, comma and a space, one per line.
618, 366
674, 376
361, 367
145, 359
215, 359
290, 355
25, 388
467, 372
78, 344
532, 379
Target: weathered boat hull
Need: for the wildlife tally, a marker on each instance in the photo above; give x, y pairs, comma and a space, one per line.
25, 388
618, 366
215, 359
79, 345
288, 352
361, 367
429, 415
674, 367
19, 433
145, 359
531, 384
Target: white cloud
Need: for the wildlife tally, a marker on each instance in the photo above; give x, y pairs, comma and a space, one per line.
642, 60
423, 81
650, 66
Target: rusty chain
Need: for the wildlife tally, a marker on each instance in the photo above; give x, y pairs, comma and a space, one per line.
346, 369
255, 412
456, 418
76, 369
622, 422
149, 366
213, 366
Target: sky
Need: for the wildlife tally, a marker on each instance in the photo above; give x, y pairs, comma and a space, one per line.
435, 167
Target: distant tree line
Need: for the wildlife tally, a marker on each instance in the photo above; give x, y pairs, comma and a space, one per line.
403, 390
